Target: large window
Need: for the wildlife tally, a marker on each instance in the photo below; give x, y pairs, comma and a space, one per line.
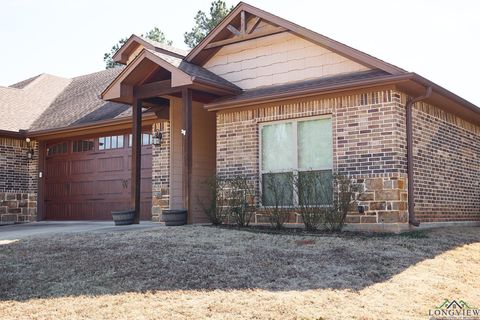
112, 142
292, 150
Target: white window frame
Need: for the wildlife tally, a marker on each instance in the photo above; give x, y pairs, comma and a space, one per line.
294, 170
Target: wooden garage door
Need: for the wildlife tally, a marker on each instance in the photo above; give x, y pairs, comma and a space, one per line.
86, 179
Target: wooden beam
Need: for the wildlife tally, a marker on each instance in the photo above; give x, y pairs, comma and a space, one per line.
242, 22
252, 26
187, 150
154, 89
42, 152
245, 37
233, 30
136, 158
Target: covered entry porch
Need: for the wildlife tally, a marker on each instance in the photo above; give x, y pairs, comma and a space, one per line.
177, 91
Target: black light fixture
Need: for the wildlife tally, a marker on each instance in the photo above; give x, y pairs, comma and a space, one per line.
30, 150
157, 138
361, 209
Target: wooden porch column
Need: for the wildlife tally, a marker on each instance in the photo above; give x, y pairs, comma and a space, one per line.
136, 158
187, 149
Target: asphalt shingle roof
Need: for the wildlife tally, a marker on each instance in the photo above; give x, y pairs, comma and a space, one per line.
80, 103
23, 103
303, 85
196, 71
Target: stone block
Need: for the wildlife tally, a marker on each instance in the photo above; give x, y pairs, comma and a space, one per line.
366, 196
8, 218
387, 195
390, 217
378, 205
14, 210
388, 184
373, 184
32, 197
3, 210
22, 203
10, 196
399, 205
401, 184
156, 210
24, 196
2, 196
32, 204
18, 196
352, 219
10, 204
368, 219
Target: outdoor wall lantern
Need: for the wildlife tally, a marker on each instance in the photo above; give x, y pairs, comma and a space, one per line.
30, 150
157, 138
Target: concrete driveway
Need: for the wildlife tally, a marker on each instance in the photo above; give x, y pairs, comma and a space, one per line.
20, 231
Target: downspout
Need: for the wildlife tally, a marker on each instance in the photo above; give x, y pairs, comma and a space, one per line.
409, 114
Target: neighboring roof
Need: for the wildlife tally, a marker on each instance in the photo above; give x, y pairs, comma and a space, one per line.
80, 103
134, 41
22, 104
289, 89
305, 33
22, 84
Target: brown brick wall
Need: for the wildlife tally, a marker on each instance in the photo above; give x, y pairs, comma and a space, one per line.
446, 166
368, 144
18, 181
161, 171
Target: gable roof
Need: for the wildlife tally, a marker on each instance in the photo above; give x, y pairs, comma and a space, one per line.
200, 53
134, 41
80, 103
21, 104
182, 73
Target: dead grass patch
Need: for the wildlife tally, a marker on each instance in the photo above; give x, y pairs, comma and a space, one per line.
197, 272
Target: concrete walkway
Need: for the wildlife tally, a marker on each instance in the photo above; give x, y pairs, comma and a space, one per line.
20, 231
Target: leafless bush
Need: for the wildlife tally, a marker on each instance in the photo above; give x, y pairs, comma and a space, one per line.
314, 193
241, 200
215, 210
345, 198
278, 198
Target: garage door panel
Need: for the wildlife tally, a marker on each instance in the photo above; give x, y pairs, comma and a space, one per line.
58, 168
89, 185
82, 188
116, 163
85, 166
111, 187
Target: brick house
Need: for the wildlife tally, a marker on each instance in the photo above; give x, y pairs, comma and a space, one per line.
259, 96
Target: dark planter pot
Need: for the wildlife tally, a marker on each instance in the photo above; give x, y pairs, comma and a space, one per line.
174, 217
122, 218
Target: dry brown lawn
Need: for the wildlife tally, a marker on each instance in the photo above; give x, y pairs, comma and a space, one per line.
197, 272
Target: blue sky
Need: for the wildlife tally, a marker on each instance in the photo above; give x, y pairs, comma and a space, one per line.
439, 40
